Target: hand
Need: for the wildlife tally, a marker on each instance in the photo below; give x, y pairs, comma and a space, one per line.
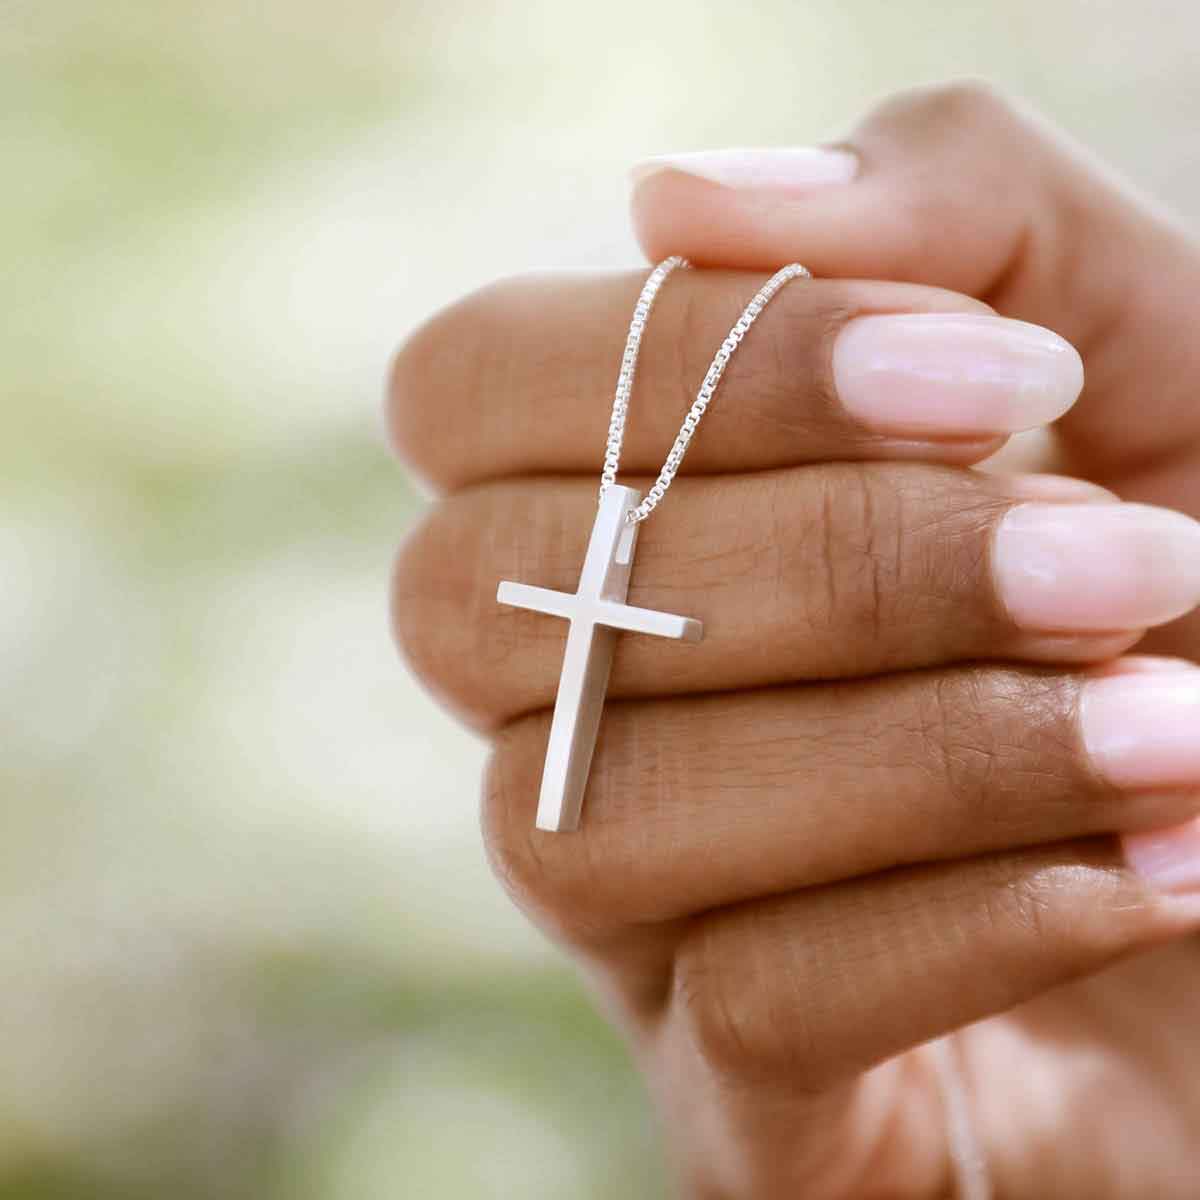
957, 187
869, 808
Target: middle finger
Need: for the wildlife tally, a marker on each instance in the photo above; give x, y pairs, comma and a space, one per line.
814, 573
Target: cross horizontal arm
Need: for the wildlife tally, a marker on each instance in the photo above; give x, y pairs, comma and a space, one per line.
539, 599
596, 611
646, 620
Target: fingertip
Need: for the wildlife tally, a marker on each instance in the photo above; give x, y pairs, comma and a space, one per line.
642, 212
664, 205
1168, 860
674, 211
1142, 664
1091, 568
1063, 488
775, 170
953, 374
949, 451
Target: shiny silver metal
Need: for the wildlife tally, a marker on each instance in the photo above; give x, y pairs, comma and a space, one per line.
620, 412
633, 343
597, 610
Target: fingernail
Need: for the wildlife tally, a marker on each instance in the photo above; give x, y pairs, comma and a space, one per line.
1168, 859
1142, 664
1096, 568
1142, 731
773, 169
953, 374
1059, 488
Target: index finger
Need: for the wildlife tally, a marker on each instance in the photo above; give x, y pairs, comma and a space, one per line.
518, 378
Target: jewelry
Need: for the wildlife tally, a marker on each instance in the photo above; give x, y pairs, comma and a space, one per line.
966, 1154
597, 609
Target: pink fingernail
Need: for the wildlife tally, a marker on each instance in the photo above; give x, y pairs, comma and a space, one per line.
953, 374
1142, 730
774, 169
1096, 568
1168, 859
1142, 664
1059, 488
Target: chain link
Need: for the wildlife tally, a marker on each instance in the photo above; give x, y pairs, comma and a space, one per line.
616, 427
633, 343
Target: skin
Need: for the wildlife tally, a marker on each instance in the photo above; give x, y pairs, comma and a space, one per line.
859, 814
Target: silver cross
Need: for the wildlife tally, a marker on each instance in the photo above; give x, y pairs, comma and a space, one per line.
596, 611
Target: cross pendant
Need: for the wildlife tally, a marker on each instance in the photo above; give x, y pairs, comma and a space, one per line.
596, 611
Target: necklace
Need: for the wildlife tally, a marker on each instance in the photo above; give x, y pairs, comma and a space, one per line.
597, 610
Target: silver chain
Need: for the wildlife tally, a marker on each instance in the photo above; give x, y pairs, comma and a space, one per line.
633, 343
972, 1181
620, 411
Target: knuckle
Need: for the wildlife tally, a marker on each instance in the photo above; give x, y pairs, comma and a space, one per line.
967, 101
411, 410
1027, 903
507, 815
790, 354
436, 621
971, 732
1070, 906
435, 371
851, 587
956, 151
1030, 909
896, 555
957, 103
550, 878
1000, 743
414, 617
729, 1022
942, 546
958, 735
485, 661
787, 353
685, 318
716, 1017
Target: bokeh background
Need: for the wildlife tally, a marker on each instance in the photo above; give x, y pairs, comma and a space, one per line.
248, 943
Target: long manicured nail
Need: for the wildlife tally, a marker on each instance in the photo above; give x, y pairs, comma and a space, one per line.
1096, 568
1142, 731
771, 169
1142, 664
1059, 488
1168, 859
953, 374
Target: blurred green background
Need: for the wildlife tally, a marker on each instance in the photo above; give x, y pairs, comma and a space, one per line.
249, 945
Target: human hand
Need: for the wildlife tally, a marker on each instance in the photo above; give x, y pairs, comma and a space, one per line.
958, 187
869, 808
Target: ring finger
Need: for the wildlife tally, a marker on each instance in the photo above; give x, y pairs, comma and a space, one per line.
704, 802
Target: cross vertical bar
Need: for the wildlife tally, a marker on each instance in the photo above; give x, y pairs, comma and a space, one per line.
597, 610
587, 664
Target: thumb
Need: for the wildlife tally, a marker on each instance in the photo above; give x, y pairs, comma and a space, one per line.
954, 186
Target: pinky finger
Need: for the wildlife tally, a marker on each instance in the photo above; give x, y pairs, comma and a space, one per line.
814, 987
